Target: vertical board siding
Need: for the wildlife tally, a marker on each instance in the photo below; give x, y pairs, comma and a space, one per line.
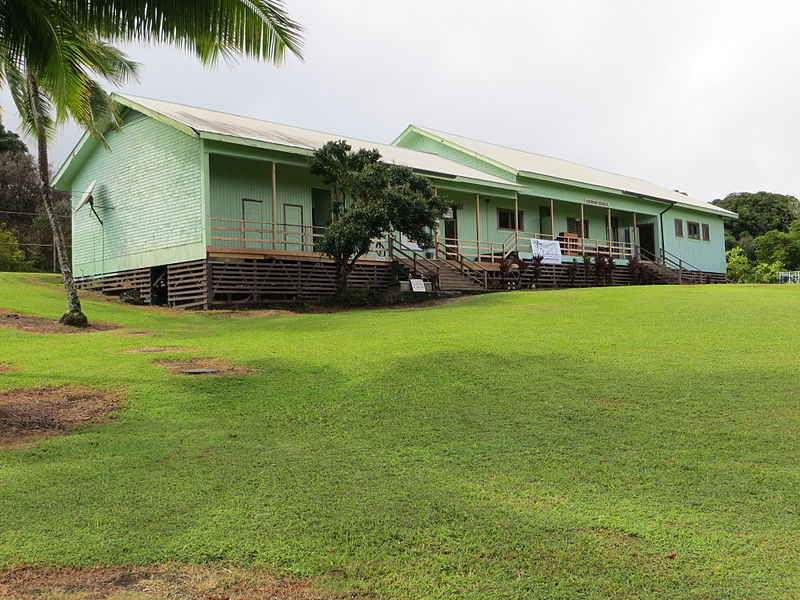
148, 195
233, 179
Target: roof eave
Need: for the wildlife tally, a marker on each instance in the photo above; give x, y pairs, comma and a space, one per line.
231, 139
423, 132
153, 114
63, 175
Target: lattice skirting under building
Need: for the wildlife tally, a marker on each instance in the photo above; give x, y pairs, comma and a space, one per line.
217, 283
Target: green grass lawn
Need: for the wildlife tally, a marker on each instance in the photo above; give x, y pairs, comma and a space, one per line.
519, 445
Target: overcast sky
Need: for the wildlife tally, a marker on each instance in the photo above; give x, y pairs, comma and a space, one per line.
701, 96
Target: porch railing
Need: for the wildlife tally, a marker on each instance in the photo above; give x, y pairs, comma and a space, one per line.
468, 253
260, 235
519, 242
479, 249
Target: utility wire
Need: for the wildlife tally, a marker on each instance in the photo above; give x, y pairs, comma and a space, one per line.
14, 212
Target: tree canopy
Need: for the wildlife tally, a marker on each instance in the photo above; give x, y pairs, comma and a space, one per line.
759, 213
370, 199
10, 141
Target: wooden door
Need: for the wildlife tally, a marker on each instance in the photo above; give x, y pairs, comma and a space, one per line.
647, 240
253, 218
293, 227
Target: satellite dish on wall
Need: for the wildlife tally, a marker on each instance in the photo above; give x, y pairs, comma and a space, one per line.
86, 197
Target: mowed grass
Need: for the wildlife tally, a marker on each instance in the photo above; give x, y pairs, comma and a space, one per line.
521, 445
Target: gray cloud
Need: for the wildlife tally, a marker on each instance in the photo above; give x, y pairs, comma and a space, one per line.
698, 96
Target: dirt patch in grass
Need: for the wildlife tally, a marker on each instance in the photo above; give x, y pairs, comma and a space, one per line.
148, 349
153, 583
202, 367
33, 324
7, 367
28, 414
616, 536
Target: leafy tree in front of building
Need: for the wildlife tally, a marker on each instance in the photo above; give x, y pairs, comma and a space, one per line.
371, 199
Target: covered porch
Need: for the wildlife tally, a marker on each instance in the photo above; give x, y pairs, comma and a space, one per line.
489, 230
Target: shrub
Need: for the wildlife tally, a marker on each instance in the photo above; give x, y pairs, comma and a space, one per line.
12, 258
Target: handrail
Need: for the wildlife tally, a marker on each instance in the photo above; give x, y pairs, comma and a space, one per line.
462, 245
667, 258
680, 262
462, 260
397, 247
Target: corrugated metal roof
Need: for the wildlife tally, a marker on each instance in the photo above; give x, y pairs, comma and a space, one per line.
207, 121
537, 164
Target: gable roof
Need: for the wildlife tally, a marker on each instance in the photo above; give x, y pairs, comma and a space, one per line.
215, 125
528, 164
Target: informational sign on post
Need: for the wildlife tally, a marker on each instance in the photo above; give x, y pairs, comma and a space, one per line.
549, 249
417, 285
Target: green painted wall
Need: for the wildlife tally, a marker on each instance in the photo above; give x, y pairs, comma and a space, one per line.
415, 141
704, 255
148, 195
707, 256
531, 223
232, 179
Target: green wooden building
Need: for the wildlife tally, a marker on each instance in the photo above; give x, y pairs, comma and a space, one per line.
199, 208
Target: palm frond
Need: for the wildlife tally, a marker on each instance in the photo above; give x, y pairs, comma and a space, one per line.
19, 84
259, 29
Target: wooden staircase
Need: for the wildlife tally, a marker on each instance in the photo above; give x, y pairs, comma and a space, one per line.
666, 275
454, 274
672, 270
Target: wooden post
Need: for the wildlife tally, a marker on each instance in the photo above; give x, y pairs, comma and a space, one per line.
478, 225
516, 225
438, 229
635, 235
609, 233
552, 221
583, 233
274, 204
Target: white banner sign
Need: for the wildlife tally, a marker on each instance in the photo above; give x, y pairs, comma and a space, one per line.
550, 249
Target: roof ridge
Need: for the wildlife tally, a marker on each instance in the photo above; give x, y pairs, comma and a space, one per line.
306, 129
431, 130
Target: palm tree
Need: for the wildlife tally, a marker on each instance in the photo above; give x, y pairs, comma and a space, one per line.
77, 55
51, 49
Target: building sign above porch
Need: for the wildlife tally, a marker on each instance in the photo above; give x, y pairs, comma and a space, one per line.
549, 249
602, 203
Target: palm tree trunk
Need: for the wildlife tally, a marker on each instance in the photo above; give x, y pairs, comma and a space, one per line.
74, 315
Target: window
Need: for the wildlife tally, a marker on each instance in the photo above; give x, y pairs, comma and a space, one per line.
574, 226
706, 232
678, 228
505, 219
693, 230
